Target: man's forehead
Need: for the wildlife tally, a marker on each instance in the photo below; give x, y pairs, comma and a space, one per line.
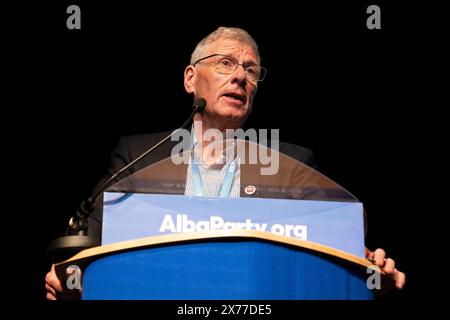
232, 47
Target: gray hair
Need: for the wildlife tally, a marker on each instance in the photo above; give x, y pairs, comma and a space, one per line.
224, 33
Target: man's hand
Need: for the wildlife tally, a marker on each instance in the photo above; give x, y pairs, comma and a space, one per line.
52, 284
378, 257
55, 289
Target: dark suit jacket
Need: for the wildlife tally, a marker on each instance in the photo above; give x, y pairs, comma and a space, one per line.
130, 147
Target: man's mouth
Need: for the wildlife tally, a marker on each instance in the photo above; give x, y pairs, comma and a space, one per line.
238, 97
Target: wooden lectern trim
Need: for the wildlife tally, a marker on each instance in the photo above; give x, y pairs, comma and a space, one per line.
92, 253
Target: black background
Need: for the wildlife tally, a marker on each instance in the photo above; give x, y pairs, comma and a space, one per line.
368, 102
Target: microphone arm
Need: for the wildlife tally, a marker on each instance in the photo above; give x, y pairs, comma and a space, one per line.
79, 222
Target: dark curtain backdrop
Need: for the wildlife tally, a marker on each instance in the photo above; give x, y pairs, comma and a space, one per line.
366, 101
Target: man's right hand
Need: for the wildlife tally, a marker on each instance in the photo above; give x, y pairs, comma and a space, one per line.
52, 284
54, 288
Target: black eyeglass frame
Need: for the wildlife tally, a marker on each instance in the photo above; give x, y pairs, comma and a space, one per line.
263, 70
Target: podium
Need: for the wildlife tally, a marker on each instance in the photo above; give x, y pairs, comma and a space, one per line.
323, 260
235, 264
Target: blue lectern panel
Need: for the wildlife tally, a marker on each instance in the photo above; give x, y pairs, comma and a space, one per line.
223, 270
338, 225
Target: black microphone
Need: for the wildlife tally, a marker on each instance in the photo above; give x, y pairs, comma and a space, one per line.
79, 223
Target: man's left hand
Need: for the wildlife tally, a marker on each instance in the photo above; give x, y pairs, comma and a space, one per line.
388, 265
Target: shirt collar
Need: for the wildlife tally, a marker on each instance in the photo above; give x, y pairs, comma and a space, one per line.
196, 130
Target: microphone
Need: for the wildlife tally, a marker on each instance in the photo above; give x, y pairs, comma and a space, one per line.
79, 223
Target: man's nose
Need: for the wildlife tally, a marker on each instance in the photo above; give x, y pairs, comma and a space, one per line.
239, 75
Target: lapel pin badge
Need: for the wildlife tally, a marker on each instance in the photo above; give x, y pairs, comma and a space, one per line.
250, 189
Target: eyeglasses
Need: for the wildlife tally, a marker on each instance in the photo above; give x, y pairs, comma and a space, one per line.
227, 65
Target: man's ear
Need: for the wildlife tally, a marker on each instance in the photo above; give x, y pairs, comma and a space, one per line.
189, 75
